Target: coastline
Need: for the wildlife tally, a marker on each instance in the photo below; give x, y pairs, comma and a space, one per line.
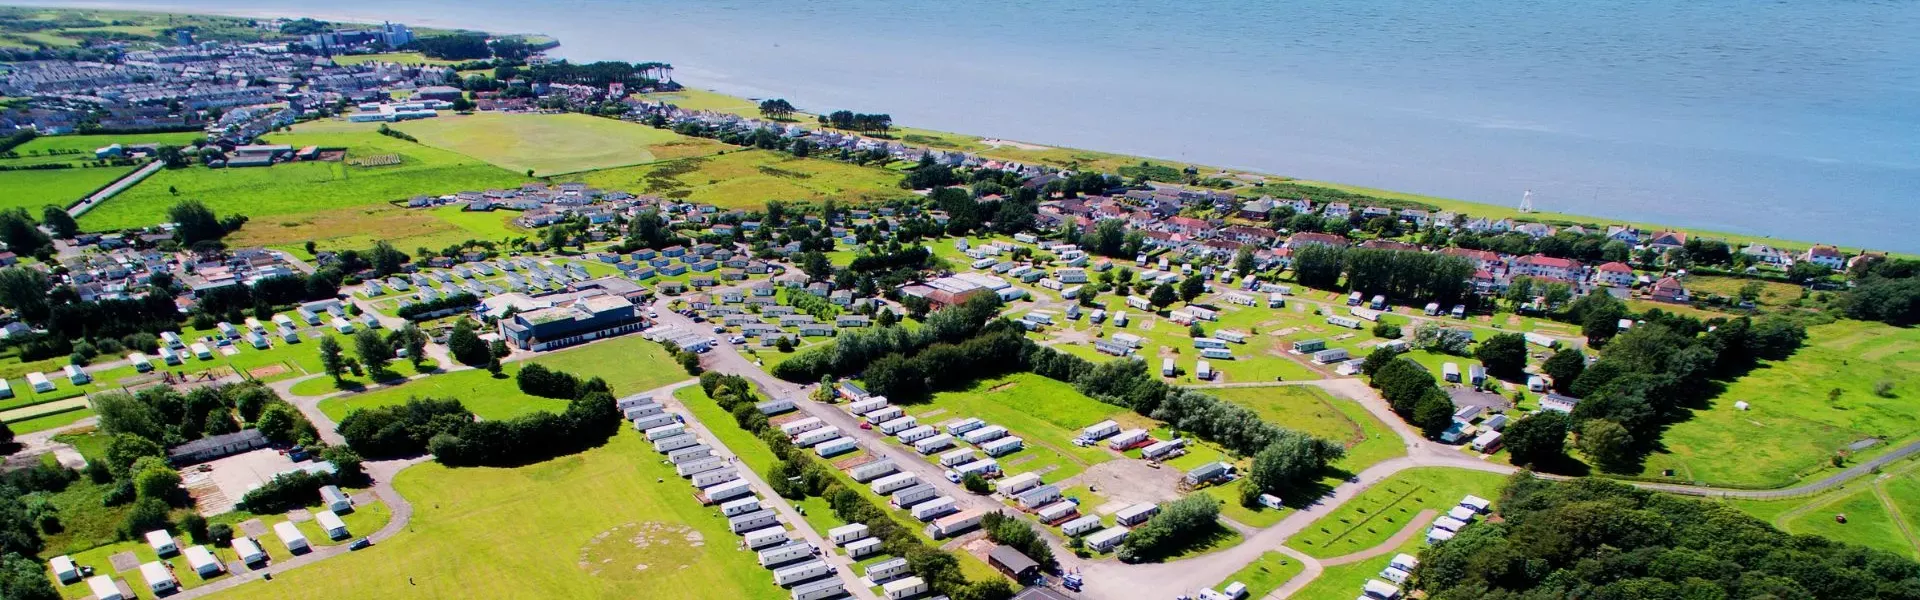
744, 90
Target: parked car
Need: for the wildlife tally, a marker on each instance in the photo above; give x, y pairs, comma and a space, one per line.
359, 544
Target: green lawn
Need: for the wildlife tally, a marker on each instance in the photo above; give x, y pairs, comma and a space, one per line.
1342, 582
749, 178
1046, 414
1314, 411
60, 145
1265, 574
550, 144
1792, 428
573, 527
1384, 509
275, 196
34, 189
1869, 522
630, 364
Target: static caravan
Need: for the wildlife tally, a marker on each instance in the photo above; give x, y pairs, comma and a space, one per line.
801, 572
918, 433
1540, 340
836, 447
1433, 309
290, 535
6, 389
847, 533
633, 401
1476, 374
635, 412
77, 376
756, 520
897, 481
341, 325
1136, 514
689, 454
1100, 431
985, 434
794, 427
39, 382
227, 330
1139, 303
898, 425
201, 351
104, 588
819, 590
1018, 483
1209, 343
1331, 355
914, 495
811, 438
290, 336
785, 553
884, 414
934, 508
1375, 588
774, 407
1309, 346
1203, 370
162, 543
258, 341
1276, 300
873, 470
1353, 299
933, 444
905, 587
765, 537
331, 524
1216, 353
1120, 318
1435, 535
159, 579
1487, 441
202, 561
953, 524
1404, 562
1107, 539
868, 405
1054, 513
985, 467
700, 466
1081, 525
734, 508
140, 362
666, 431
1040, 496
651, 421
1002, 446
1347, 322
956, 457
336, 500
1159, 450
726, 491
964, 426
1126, 439
1450, 372
887, 569
249, 552
714, 477
173, 339
1236, 337
1168, 368
64, 569
864, 547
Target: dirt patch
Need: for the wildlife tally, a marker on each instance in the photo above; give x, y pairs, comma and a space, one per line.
631, 551
267, 371
299, 515
786, 418
124, 561
1129, 482
253, 527
855, 461
1003, 386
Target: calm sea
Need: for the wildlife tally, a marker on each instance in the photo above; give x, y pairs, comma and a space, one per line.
1788, 118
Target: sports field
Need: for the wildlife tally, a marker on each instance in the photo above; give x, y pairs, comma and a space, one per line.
271, 195
598, 524
34, 189
1795, 423
550, 144
749, 178
629, 364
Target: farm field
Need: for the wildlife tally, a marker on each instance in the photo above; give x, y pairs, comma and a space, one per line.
551, 144
747, 179
598, 518
1312, 410
34, 189
81, 147
357, 228
274, 195
1384, 509
629, 363
1796, 421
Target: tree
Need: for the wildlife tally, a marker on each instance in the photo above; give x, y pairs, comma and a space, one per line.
6, 434
147, 514
1380, 357
1292, 461
1243, 260
1805, 271
1433, 414
1191, 288
126, 449
466, 346
331, 360
22, 578
279, 423
1607, 443
1387, 330
25, 291
20, 234
1539, 438
194, 223
372, 350
1196, 331
1504, 355
386, 259
1564, 367
414, 341
973, 482
220, 534
57, 219
124, 414
152, 478
1163, 296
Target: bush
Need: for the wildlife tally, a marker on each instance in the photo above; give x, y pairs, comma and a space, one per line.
537, 380
146, 515
1177, 525
195, 526
976, 484
286, 492
1386, 330
419, 309
403, 430
220, 534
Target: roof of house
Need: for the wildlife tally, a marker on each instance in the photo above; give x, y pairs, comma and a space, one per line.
1011, 559
1548, 261
1615, 267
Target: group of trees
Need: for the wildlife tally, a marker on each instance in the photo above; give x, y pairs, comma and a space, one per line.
1404, 275
1886, 290
420, 310
168, 417
1016, 533
854, 350
1412, 391
1179, 524
457, 46
776, 108
846, 119
1593, 538
26, 511
447, 429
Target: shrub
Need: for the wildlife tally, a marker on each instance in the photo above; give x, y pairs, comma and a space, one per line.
286, 492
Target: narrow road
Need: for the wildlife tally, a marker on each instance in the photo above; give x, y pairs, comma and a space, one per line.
120, 185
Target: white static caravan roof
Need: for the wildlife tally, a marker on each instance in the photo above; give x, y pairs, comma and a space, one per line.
157, 576
248, 551
104, 588
201, 559
1081, 525
1404, 562
201, 350
1462, 513
64, 569
1449, 524
1476, 503
1105, 538
329, 521
39, 382
290, 535
161, 542
1381, 589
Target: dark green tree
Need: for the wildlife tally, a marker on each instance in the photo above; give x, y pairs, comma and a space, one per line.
1504, 355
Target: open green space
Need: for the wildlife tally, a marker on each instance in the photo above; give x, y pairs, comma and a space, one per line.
1342, 582
1046, 414
550, 144
81, 147
1802, 411
1371, 518
1874, 508
1265, 574
630, 364
1314, 411
598, 517
275, 195
747, 179
33, 189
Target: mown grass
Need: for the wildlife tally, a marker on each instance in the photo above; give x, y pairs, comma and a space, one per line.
1314, 411
1384, 509
630, 364
550, 144
1265, 574
749, 178
1046, 414
305, 187
34, 189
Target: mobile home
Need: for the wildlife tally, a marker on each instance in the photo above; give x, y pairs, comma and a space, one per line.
883, 414
816, 436
1347, 322
873, 470
887, 569
1099, 431
331, 524
1309, 346
726, 491
913, 495
819, 590
956, 457
1081, 525
807, 424
689, 454
1018, 483
836, 447
847, 533
985, 434
954, 524
64, 570
77, 376
1450, 372
202, 352
290, 535
897, 481
934, 508
786, 553
1331, 355
905, 587
1053, 513
862, 407
1106, 539
1040, 496
984, 467
169, 356
666, 431
934, 444
39, 382
1127, 439
1002, 446
1166, 449
1136, 514
1217, 353
734, 508
159, 579
864, 547
765, 537
917, 433
699, 466
140, 362
965, 425
753, 521
714, 477
249, 552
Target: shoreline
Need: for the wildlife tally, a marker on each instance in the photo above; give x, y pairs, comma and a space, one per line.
721, 84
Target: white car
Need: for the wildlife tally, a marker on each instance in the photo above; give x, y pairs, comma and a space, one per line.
739, 339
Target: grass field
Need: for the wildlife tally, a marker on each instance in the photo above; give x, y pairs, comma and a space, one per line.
749, 178
1314, 411
1265, 574
555, 144
1046, 414
1384, 509
1875, 508
47, 145
1342, 582
1792, 428
359, 227
630, 364
574, 527
276, 196
34, 189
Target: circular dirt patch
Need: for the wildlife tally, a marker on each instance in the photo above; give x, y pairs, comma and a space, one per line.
635, 550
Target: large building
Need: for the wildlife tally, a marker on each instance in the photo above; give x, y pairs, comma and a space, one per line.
577, 321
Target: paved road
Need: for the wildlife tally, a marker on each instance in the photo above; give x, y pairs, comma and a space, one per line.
116, 187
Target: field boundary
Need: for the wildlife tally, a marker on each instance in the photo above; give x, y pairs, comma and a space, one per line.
113, 188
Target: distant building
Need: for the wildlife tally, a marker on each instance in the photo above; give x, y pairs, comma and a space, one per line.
582, 320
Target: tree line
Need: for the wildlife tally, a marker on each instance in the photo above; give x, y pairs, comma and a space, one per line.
1885, 290
1402, 275
446, 429
862, 122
